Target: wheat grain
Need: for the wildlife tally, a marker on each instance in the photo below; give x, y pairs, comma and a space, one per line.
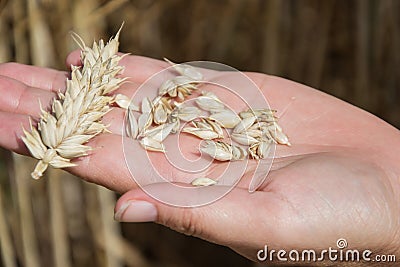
151, 144
131, 127
227, 118
243, 139
186, 70
260, 150
203, 181
187, 113
210, 103
76, 115
245, 124
218, 150
205, 129
124, 102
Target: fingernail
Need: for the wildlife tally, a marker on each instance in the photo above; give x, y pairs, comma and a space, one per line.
136, 211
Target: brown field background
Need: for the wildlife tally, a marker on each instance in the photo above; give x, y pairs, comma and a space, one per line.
347, 48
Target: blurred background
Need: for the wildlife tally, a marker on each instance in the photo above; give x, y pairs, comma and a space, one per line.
347, 48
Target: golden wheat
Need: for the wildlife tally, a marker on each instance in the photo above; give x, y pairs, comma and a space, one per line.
76, 114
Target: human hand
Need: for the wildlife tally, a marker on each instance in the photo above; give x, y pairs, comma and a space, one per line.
338, 180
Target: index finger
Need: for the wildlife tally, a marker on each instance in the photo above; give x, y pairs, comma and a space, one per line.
33, 76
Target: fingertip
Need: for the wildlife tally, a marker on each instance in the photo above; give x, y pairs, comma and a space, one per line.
11, 126
124, 202
136, 211
135, 193
74, 58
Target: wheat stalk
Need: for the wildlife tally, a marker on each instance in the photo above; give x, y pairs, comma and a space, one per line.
76, 115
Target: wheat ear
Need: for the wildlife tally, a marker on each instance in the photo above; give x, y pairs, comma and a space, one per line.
76, 115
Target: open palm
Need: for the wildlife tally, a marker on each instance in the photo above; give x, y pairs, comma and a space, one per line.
339, 179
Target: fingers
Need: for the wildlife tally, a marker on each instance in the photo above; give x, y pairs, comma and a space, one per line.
73, 58
141, 68
105, 165
17, 97
43, 78
11, 131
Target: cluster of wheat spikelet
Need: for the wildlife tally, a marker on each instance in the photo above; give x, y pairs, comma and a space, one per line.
255, 129
76, 114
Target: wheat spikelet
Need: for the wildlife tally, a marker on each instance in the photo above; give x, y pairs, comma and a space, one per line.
76, 115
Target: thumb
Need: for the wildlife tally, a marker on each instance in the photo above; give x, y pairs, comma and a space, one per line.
226, 221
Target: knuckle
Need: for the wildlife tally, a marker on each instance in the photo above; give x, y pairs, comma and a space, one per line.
187, 223
5, 67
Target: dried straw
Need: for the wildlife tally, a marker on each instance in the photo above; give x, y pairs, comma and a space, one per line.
5, 51
6, 245
110, 228
19, 32
28, 234
41, 44
59, 237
